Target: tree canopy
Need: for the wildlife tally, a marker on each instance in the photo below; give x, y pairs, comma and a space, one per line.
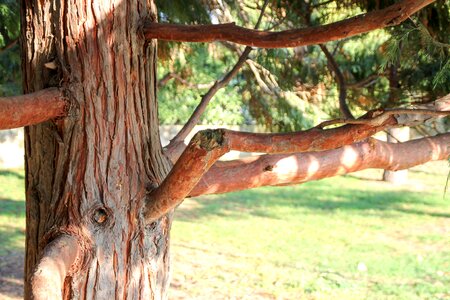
291, 89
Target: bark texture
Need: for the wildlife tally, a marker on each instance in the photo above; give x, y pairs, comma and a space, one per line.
207, 146
87, 174
29, 109
390, 16
58, 258
231, 176
396, 135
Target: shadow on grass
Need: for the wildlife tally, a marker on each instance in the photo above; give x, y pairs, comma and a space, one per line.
9, 173
320, 197
10, 233
10, 237
14, 208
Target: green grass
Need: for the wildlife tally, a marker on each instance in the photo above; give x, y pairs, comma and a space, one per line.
340, 238
12, 211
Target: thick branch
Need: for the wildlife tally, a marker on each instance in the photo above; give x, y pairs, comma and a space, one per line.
29, 109
58, 257
390, 16
207, 146
269, 170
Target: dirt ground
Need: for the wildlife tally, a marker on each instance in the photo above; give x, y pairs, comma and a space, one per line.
11, 276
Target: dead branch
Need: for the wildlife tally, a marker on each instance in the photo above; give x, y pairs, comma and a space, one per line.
404, 117
177, 142
390, 16
340, 80
30, 109
176, 145
270, 170
368, 81
53, 267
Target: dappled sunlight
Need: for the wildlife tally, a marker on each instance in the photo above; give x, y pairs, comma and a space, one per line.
348, 159
313, 167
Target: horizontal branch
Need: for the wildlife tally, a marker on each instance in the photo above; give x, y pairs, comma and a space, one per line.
271, 170
53, 267
30, 109
207, 146
390, 16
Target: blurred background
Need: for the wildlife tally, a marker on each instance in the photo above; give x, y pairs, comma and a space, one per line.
351, 237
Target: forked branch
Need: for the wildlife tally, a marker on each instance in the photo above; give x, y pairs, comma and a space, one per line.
176, 145
390, 16
272, 170
30, 109
53, 267
206, 147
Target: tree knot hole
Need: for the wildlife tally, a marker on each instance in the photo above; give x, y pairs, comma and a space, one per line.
268, 168
100, 216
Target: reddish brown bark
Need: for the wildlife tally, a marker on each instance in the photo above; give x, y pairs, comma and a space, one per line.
390, 16
30, 109
90, 171
206, 147
53, 267
267, 170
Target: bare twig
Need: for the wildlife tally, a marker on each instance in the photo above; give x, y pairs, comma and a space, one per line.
340, 80
177, 143
405, 117
163, 81
9, 45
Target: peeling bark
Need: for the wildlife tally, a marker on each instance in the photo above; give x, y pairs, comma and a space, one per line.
390, 16
273, 170
89, 172
30, 109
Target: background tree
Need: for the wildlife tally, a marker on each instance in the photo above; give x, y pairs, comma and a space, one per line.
101, 190
9, 46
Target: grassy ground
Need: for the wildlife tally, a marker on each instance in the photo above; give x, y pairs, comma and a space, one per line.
343, 238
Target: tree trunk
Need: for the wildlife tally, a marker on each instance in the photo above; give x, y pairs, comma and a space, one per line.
87, 174
400, 134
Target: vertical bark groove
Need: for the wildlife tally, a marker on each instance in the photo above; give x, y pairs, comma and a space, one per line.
103, 156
